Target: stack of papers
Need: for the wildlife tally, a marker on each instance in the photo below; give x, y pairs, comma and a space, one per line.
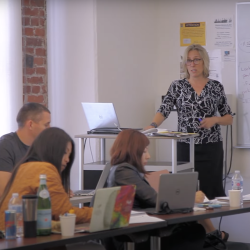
245, 198
216, 201
142, 217
170, 133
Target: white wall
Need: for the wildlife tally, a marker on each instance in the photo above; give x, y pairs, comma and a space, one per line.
71, 68
127, 45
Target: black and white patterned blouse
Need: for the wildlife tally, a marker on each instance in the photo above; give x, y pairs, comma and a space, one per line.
191, 108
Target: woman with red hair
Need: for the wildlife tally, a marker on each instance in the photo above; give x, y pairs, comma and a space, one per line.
129, 155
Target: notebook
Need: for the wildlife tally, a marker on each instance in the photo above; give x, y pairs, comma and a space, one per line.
112, 209
177, 191
100, 184
102, 118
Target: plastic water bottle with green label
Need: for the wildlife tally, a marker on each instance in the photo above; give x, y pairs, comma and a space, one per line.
43, 208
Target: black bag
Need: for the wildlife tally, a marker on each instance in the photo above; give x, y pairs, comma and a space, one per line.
215, 241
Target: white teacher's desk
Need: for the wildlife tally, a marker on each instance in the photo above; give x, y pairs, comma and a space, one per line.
153, 166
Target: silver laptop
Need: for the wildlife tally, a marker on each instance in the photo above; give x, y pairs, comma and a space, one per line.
177, 191
102, 118
100, 184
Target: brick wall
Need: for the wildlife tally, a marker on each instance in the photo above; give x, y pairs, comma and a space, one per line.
34, 51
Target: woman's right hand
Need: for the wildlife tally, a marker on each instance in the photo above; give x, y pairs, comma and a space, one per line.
148, 127
199, 197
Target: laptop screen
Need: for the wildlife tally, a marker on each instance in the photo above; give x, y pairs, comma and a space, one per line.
100, 115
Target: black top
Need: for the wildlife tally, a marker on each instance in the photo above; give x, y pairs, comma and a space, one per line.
12, 150
192, 108
126, 174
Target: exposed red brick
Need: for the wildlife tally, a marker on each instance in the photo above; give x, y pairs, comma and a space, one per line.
33, 98
36, 89
41, 71
41, 12
34, 21
30, 41
30, 71
24, 42
39, 61
40, 32
34, 45
26, 21
42, 21
27, 11
29, 51
35, 79
28, 31
37, 3
26, 89
40, 52
44, 89
26, 2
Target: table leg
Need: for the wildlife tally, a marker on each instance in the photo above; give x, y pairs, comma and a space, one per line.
81, 162
191, 152
129, 246
103, 149
174, 156
155, 243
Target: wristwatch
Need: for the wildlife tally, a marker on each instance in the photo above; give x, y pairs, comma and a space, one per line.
153, 124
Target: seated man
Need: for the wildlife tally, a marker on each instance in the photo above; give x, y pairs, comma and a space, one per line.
32, 119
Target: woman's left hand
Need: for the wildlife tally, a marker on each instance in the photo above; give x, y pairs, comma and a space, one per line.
208, 122
199, 197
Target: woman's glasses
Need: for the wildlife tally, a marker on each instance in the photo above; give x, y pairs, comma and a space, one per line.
195, 61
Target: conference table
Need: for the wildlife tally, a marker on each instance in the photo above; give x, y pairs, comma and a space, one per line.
56, 240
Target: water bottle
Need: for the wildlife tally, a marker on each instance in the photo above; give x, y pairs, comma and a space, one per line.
43, 208
15, 203
237, 183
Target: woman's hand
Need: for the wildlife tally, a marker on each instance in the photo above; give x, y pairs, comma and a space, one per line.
208, 122
148, 127
199, 197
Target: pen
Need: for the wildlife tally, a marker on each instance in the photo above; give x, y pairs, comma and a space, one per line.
198, 185
201, 120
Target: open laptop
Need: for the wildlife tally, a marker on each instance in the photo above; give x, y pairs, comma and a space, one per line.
177, 191
100, 184
112, 209
102, 118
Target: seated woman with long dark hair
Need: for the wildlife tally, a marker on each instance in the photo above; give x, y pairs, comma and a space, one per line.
129, 155
52, 153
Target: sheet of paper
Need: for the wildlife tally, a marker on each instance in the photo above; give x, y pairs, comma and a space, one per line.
223, 32
199, 209
193, 33
245, 198
143, 218
134, 213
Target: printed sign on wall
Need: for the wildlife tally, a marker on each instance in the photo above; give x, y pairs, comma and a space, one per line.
192, 33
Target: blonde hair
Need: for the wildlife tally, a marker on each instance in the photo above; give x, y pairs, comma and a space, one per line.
204, 56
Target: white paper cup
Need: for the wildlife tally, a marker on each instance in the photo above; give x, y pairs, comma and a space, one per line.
234, 198
68, 224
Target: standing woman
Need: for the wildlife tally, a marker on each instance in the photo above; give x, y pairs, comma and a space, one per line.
197, 99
